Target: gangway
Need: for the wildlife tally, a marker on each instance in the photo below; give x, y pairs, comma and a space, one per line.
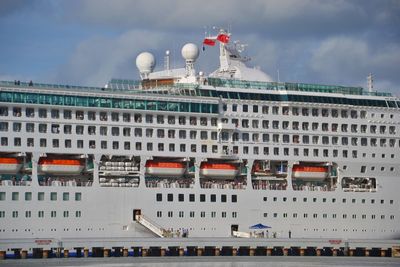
241, 234
150, 225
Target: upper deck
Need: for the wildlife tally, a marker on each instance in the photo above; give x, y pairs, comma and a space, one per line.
211, 89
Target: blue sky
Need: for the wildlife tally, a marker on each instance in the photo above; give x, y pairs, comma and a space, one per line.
87, 42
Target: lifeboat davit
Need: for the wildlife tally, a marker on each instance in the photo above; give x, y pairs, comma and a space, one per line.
60, 166
218, 170
312, 173
10, 165
164, 168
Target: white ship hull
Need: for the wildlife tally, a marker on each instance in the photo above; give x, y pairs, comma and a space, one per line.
115, 133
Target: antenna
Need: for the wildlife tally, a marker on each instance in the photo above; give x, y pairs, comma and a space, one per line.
278, 75
166, 60
370, 82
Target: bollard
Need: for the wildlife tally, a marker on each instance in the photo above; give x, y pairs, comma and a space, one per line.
351, 252
106, 253
334, 252
45, 254
269, 251
251, 252
181, 252
162, 252
318, 252
199, 251
66, 253
2, 254
302, 251
285, 251
85, 252
234, 251
144, 252
125, 252
367, 252
24, 254
383, 252
217, 252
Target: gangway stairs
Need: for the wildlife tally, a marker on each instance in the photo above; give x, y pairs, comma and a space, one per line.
150, 225
241, 234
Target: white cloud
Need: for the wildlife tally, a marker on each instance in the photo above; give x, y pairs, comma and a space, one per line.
98, 59
344, 59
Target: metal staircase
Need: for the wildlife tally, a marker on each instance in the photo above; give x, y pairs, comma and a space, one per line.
159, 231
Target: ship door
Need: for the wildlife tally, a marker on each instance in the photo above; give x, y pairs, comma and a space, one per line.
234, 227
135, 213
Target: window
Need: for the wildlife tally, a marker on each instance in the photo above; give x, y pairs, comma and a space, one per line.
78, 196
53, 196
4, 141
55, 114
159, 197
213, 198
65, 196
66, 214
191, 198
41, 196
181, 197
3, 111
41, 214
28, 196
2, 196
202, 198
234, 198
170, 197
3, 126
78, 213
114, 116
15, 196
53, 213
79, 115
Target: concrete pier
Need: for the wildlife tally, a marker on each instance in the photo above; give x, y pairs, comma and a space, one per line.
211, 247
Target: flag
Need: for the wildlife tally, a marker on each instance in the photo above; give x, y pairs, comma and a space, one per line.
208, 41
223, 38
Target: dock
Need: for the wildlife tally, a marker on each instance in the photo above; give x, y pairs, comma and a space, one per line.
161, 247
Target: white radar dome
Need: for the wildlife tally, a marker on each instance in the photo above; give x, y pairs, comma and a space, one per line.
190, 51
145, 62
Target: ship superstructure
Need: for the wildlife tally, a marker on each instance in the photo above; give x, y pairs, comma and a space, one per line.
180, 151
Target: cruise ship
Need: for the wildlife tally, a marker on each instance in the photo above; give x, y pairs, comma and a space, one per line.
181, 153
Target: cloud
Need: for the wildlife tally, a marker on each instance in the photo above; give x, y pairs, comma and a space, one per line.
313, 41
344, 59
282, 19
98, 59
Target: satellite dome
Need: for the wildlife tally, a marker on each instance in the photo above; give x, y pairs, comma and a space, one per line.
145, 62
190, 51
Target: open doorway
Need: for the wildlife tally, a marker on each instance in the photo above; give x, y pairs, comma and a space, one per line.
136, 212
234, 228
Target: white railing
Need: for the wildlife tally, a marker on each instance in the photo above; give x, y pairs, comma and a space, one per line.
149, 225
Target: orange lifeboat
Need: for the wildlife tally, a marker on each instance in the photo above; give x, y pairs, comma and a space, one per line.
164, 168
10, 165
218, 170
312, 173
60, 166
